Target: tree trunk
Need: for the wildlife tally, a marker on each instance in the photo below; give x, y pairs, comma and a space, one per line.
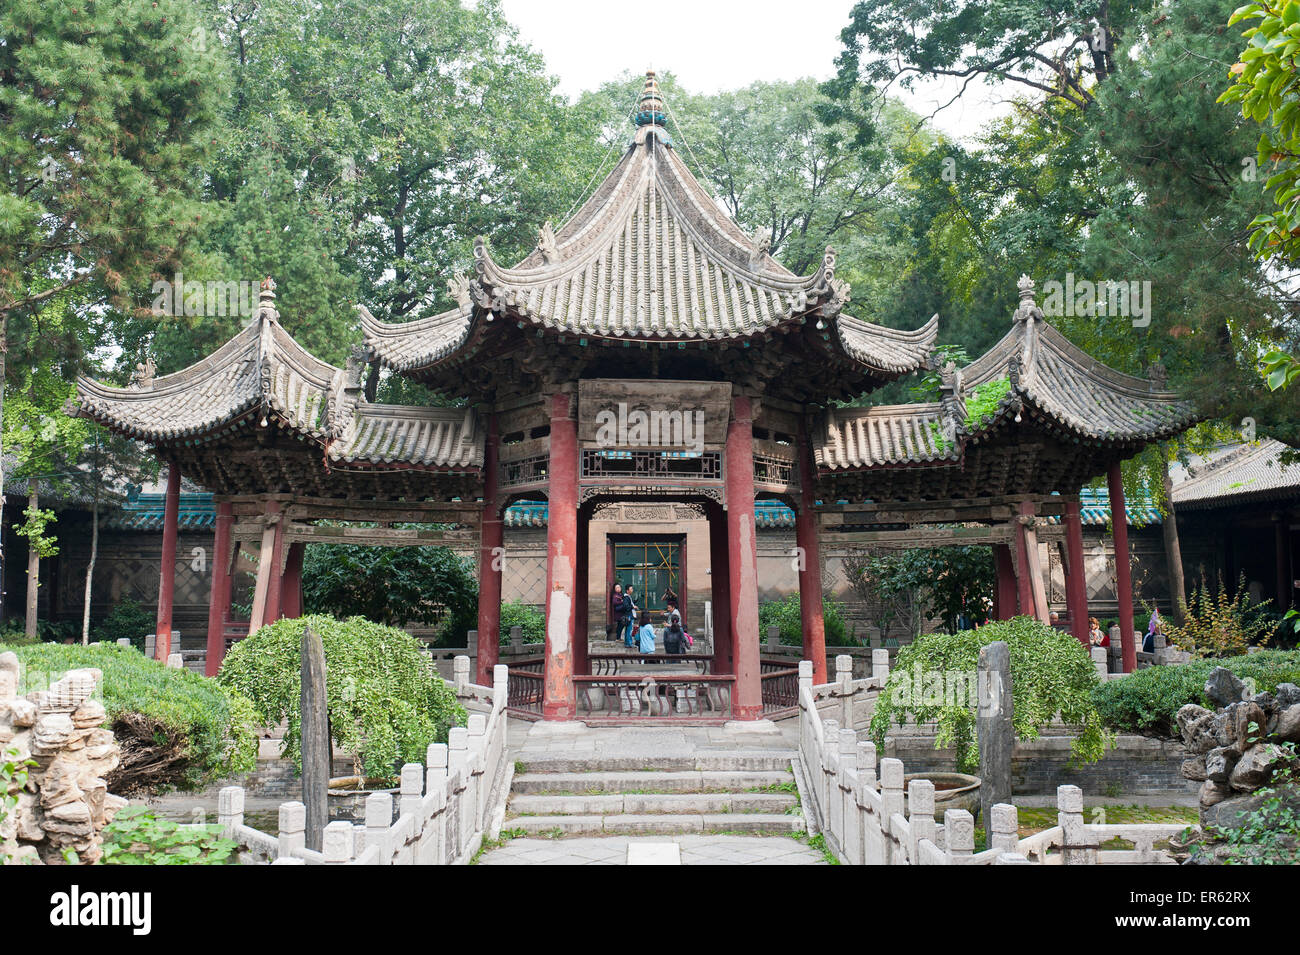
90, 568
1173, 551
4, 349
33, 565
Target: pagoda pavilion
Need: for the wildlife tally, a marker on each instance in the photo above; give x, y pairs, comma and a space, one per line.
647, 350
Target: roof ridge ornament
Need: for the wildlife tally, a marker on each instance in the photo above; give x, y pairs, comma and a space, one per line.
762, 239
1028, 309
266, 300
651, 109
458, 286
547, 245
142, 377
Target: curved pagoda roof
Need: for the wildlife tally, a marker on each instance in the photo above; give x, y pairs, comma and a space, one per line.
1060, 418
651, 260
263, 414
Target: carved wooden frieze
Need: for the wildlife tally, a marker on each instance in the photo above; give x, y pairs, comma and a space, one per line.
686, 415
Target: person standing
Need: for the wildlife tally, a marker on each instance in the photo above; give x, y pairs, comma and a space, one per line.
630, 611
674, 637
617, 623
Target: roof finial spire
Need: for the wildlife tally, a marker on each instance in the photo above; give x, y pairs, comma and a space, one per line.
651, 110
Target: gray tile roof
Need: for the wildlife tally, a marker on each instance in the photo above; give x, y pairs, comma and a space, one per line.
1238, 474
884, 435
1067, 389
649, 257
263, 372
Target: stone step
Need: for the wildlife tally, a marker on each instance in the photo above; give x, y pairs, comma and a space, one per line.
651, 804
642, 781
627, 823
737, 761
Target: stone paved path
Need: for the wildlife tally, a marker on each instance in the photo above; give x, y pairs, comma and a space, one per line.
695, 850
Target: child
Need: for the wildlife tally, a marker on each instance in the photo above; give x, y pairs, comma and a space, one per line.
646, 635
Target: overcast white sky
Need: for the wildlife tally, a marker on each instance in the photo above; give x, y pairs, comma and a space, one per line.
712, 45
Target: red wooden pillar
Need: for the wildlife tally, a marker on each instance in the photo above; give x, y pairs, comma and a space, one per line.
1123, 572
291, 599
742, 546
167, 564
561, 563
810, 567
581, 608
1076, 585
219, 599
1004, 601
491, 560
719, 572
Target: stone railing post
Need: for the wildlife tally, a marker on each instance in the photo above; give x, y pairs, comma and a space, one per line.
337, 842
846, 795
920, 813
516, 638
880, 666
959, 833
500, 686
175, 661
828, 786
460, 672
844, 677
891, 798
773, 639
471, 644
293, 828
865, 768
435, 764
1099, 661
477, 733
124, 642
805, 732
230, 810
1078, 844
412, 790
379, 817
1003, 827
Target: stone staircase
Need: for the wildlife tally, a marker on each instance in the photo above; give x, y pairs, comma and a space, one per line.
707, 793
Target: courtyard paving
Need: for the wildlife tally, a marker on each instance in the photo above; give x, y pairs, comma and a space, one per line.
695, 850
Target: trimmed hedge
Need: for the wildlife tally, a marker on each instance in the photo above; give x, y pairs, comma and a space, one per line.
386, 703
176, 728
1147, 701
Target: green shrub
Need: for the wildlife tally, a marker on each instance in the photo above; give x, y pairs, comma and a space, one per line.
1147, 701
137, 837
176, 728
386, 705
127, 619
1051, 674
517, 614
784, 613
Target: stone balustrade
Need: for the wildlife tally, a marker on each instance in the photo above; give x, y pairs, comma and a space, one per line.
868, 817
444, 809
